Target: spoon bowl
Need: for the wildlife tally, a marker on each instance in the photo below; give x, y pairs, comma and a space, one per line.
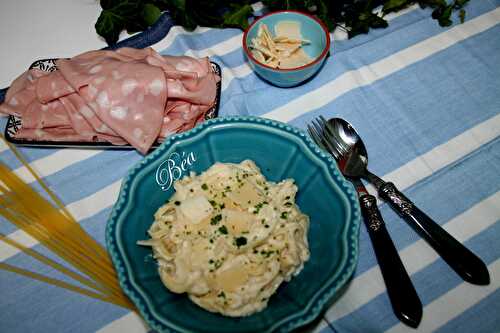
346, 135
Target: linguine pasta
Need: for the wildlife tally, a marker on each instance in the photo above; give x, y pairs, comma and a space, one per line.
229, 238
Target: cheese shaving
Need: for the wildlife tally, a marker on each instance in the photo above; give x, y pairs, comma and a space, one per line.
283, 50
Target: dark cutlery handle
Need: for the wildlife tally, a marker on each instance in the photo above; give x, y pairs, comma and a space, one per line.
470, 267
402, 294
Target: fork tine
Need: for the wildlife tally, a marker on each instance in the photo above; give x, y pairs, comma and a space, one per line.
326, 126
318, 135
331, 148
315, 136
332, 136
318, 127
320, 121
323, 121
329, 138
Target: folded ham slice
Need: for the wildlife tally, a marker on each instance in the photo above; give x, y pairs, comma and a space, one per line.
134, 96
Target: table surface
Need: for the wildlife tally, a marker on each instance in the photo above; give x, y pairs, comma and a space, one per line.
425, 99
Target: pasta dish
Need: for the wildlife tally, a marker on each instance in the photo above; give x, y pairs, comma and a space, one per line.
229, 238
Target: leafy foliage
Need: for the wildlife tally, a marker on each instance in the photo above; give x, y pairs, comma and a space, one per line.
354, 16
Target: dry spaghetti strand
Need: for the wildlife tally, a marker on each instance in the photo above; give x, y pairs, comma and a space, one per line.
56, 229
30, 212
64, 285
25, 205
59, 267
99, 249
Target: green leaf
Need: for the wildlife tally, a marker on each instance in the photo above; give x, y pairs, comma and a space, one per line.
431, 3
322, 12
136, 25
378, 22
238, 17
181, 16
461, 14
394, 5
356, 16
116, 16
107, 4
460, 4
330, 25
443, 15
177, 5
150, 14
109, 26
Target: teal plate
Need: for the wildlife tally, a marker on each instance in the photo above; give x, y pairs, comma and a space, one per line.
281, 151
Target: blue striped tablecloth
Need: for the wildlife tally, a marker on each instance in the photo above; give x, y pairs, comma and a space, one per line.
427, 102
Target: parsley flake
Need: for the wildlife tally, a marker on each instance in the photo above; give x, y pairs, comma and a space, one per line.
216, 219
241, 241
223, 230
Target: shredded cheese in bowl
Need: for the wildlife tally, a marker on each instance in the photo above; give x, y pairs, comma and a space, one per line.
284, 50
229, 238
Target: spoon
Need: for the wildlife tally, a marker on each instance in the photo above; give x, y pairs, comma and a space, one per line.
404, 298
352, 158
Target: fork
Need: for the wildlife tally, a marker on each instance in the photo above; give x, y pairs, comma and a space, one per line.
404, 299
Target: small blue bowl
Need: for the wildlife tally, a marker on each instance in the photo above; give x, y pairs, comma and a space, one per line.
311, 29
281, 151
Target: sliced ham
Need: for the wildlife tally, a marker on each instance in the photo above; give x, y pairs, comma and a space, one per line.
53, 86
38, 115
126, 96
